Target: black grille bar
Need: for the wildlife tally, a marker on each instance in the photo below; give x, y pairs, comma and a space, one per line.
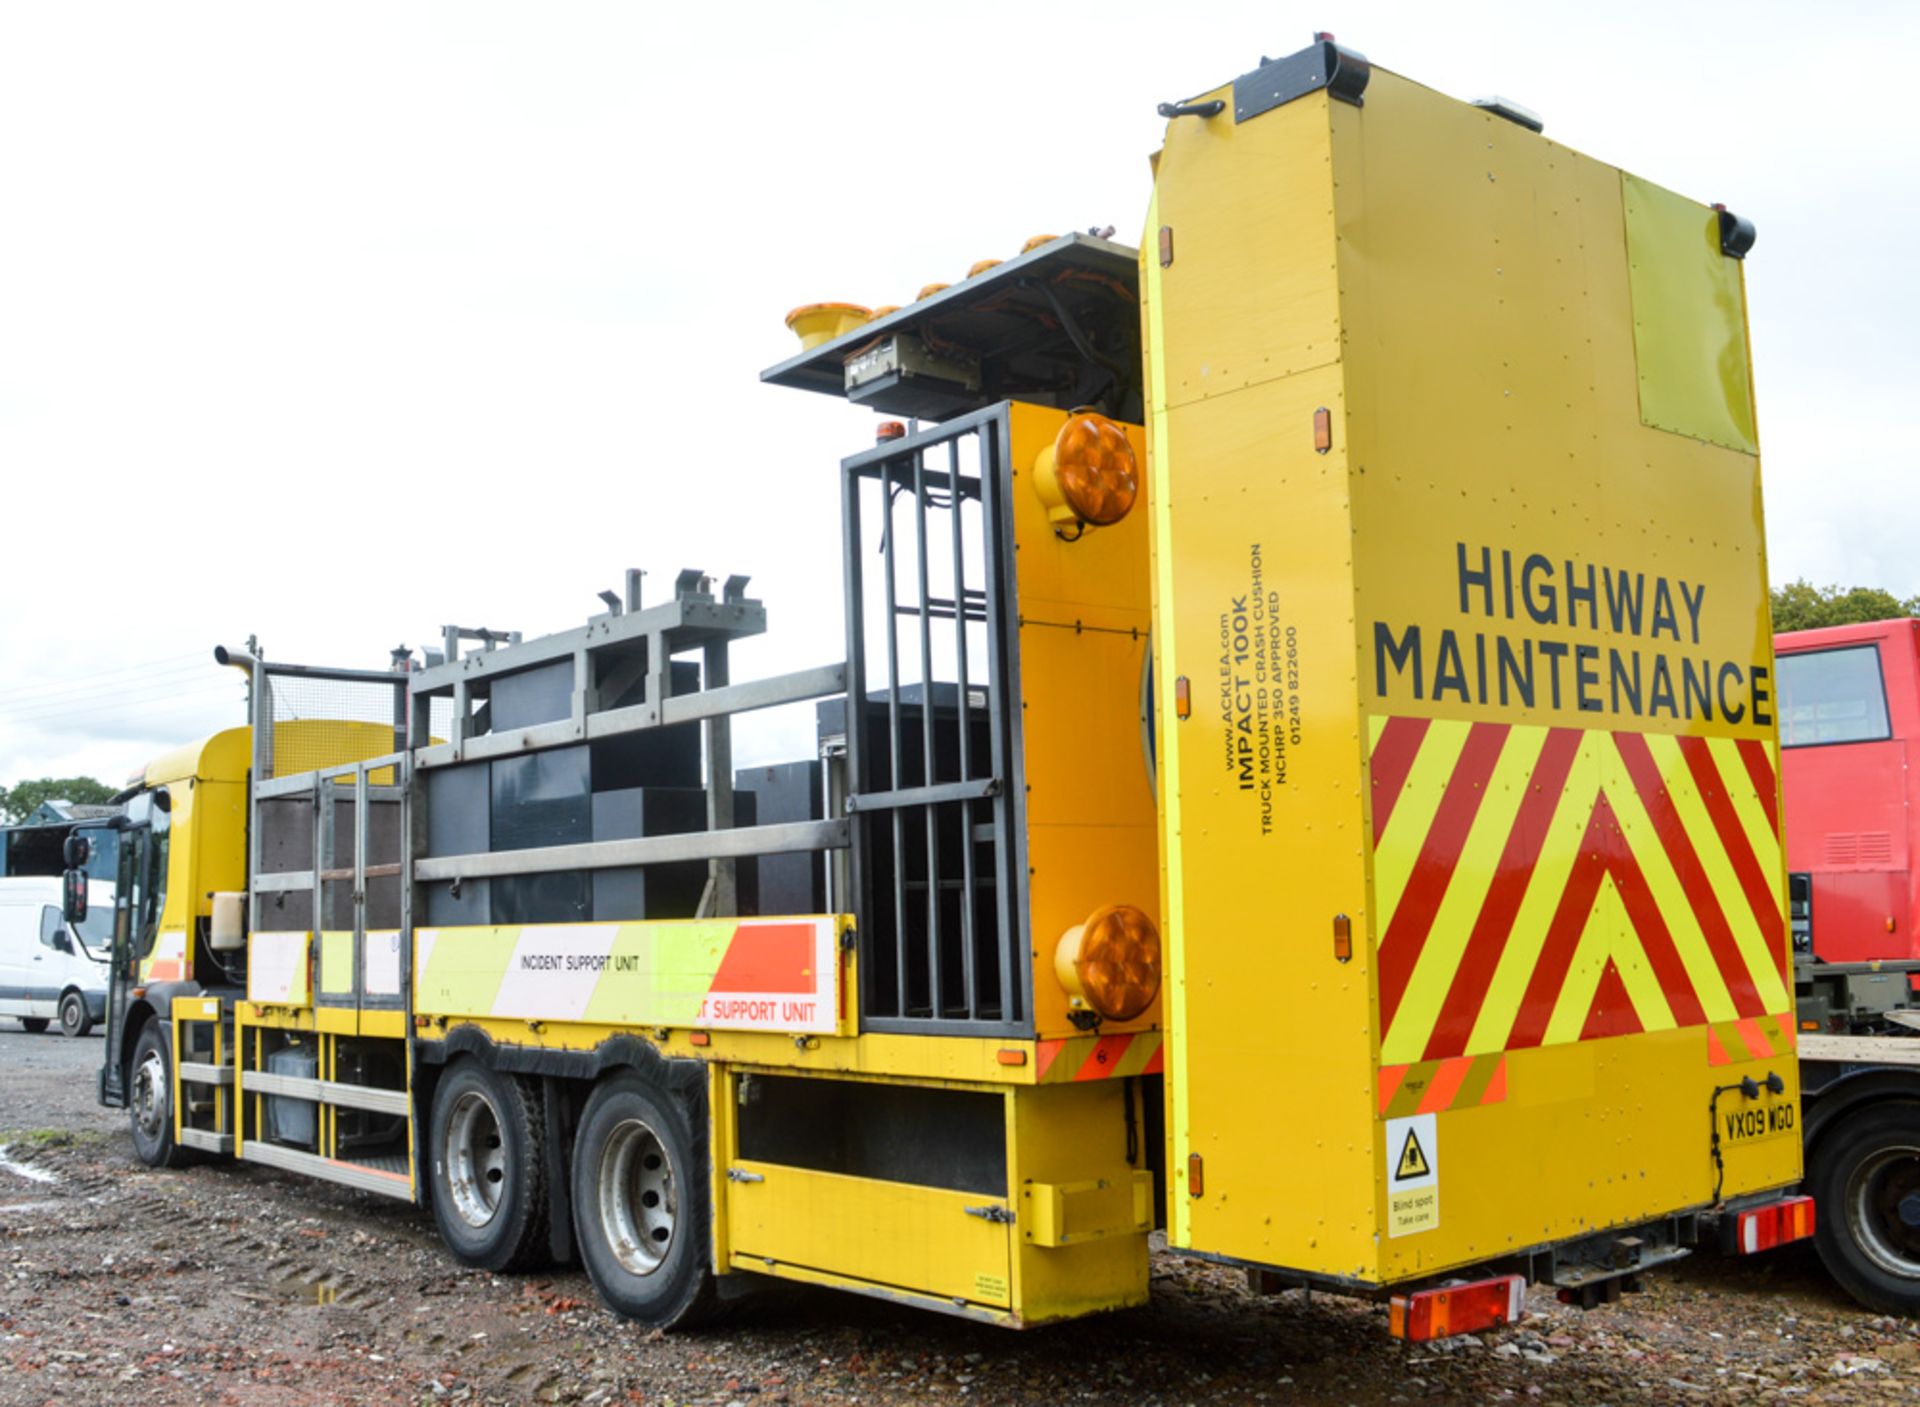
939, 896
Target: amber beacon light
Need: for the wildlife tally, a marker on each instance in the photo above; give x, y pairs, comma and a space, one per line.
1088, 476
1111, 963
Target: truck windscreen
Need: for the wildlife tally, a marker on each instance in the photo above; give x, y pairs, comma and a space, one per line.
1832, 696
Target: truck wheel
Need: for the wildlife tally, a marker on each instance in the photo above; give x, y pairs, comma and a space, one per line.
489, 1187
150, 1097
75, 1019
642, 1215
33, 1025
1865, 1181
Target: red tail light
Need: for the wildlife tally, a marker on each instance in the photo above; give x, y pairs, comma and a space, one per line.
1459, 1309
1763, 1228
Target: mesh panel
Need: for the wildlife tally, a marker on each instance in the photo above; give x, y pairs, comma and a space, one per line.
325, 723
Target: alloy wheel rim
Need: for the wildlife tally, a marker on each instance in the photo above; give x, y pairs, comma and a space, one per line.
476, 1158
149, 1094
639, 1205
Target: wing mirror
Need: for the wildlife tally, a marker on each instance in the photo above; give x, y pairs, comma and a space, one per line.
73, 895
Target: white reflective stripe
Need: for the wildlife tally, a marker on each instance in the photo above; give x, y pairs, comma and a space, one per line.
380, 963
276, 967
554, 970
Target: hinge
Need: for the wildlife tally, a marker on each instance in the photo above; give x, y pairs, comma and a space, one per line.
998, 1215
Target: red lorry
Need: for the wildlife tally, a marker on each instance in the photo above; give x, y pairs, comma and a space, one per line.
1849, 710
1850, 754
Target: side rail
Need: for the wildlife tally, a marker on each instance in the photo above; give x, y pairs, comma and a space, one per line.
345, 823
575, 816
614, 705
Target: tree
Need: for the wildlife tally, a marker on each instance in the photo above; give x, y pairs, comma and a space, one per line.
1800, 605
21, 800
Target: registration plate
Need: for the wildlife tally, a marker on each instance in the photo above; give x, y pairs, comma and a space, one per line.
1758, 1121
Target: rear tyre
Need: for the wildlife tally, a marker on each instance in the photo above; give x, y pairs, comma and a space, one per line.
642, 1213
489, 1179
75, 1019
33, 1025
1865, 1181
150, 1097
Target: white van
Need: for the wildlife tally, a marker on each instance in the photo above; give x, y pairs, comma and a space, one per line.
52, 970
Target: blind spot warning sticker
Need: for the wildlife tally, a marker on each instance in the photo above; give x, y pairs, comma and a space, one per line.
1413, 1159
1412, 1152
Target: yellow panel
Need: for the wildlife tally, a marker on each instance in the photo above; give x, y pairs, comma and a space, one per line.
1554, 881
1070, 1213
723, 1134
886, 1233
1248, 241
1253, 617
1689, 319
336, 964
277, 1018
1084, 610
1079, 1246
337, 1020
390, 1024
1264, 833
1510, 506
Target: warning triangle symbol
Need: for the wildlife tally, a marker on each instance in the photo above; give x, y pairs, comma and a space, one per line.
1413, 1160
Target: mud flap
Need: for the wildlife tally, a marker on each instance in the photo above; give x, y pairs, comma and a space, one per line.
556, 1146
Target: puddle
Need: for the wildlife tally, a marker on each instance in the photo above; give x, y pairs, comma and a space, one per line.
294, 1287
31, 1174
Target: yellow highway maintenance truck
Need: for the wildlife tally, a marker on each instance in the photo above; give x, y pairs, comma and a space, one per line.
1303, 775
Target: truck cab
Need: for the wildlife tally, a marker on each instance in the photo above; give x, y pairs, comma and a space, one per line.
183, 840
1850, 768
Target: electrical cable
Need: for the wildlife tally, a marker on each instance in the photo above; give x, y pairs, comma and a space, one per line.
118, 706
88, 683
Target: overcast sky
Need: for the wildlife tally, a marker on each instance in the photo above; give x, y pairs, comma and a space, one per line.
337, 323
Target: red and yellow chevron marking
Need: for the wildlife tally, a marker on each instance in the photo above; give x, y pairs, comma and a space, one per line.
1436, 1085
1098, 1058
1536, 886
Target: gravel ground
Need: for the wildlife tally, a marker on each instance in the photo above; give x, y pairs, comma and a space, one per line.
237, 1284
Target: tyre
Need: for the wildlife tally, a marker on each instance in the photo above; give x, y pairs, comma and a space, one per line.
489, 1176
33, 1025
75, 1019
642, 1213
150, 1097
1865, 1180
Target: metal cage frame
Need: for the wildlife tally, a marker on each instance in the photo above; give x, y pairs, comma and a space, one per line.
920, 944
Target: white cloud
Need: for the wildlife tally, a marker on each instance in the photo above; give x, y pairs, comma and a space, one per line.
340, 323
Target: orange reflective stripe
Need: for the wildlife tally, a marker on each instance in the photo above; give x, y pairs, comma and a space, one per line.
1104, 1058
1391, 1078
